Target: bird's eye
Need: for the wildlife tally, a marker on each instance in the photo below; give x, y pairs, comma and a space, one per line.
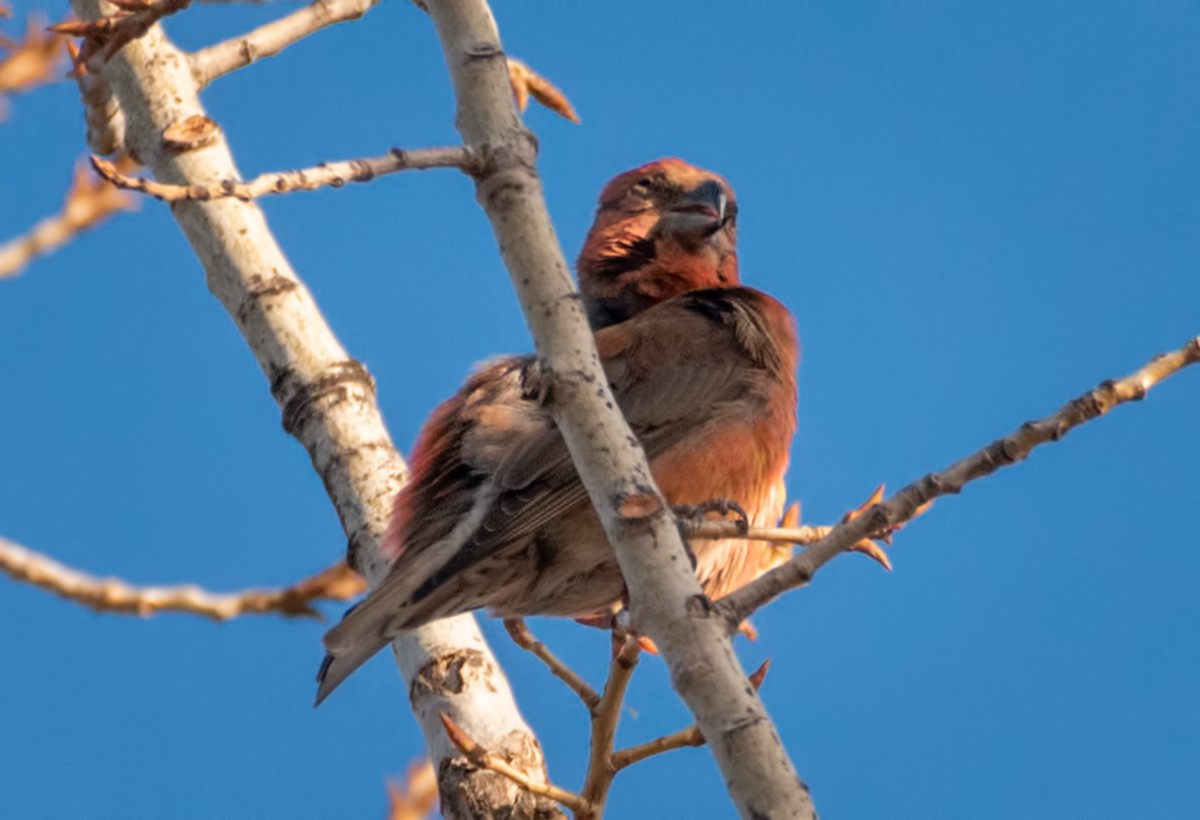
643, 186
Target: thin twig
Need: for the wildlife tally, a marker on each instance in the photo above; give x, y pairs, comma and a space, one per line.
528, 83
720, 530
902, 506
332, 174
31, 62
217, 60
691, 736
484, 759
113, 595
105, 36
414, 796
89, 201
523, 637
607, 714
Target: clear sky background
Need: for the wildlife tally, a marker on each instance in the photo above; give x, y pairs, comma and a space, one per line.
976, 212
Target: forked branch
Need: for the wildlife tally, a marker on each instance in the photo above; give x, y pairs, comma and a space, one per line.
902, 506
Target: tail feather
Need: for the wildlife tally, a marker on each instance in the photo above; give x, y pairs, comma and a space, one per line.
336, 668
371, 625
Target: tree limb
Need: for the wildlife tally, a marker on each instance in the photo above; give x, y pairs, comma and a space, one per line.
31, 62
519, 632
902, 506
332, 174
217, 60
666, 600
328, 403
337, 583
89, 202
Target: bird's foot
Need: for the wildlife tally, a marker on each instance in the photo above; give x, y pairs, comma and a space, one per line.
722, 506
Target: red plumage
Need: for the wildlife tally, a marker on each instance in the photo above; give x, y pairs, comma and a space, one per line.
495, 516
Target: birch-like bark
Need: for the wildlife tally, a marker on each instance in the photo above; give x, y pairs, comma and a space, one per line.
666, 600
328, 404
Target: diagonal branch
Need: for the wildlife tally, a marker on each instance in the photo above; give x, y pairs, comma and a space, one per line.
484, 759
29, 63
691, 736
89, 202
666, 600
328, 403
519, 632
331, 174
217, 60
337, 583
1001, 453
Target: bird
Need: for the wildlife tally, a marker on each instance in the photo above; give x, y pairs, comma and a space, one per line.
703, 368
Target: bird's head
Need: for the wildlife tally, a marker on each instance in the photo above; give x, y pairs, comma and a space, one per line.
663, 229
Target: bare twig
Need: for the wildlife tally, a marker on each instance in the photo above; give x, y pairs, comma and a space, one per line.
523, 637
528, 83
902, 506
665, 598
31, 62
790, 533
89, 201
589, 803
332, 174
603, 762
414, 797
114, 595
217, 60
605, 716
691, 736
105, 36
484, 759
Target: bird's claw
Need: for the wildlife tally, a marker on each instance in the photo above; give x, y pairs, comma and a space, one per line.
720, 506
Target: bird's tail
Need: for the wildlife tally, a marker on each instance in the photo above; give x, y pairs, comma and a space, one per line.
369, 627
336, 668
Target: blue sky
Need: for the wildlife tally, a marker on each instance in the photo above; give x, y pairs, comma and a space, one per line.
976, 212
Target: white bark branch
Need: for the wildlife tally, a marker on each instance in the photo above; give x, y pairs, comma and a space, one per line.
328, 404
666, 600
216, 61
327, 174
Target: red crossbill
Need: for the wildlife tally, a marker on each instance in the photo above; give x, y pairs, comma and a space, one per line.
703, 369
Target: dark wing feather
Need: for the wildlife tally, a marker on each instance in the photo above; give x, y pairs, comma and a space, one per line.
673, 368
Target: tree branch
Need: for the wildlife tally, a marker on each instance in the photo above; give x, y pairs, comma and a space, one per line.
338, 583
484, 759
29, 63
216, 61
519, 632
666, 600
89, 202
902, 506
328, 403
691, 736
103, 36
332, 174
